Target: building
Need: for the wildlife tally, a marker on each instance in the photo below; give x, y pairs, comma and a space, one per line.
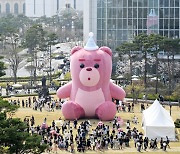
116, 21
37, 8
49, 8
12, 7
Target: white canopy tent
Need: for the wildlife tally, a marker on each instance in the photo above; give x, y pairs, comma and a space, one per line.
157, 122
17, 85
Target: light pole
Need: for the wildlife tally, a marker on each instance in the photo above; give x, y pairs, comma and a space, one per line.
133, 93
50, 65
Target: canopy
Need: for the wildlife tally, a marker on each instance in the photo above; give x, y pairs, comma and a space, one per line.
135, 76
135, 79
157, 122
120, 77
17, 85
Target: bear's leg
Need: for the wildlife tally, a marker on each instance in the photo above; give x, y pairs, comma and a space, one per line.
106, 111
72, 110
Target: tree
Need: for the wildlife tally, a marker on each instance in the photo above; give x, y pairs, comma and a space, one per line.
171, 46
70, 23
35, 41
128, 48
155, 45
143, 44
12, 54
14, 135
51, 38
10, 42
2, 68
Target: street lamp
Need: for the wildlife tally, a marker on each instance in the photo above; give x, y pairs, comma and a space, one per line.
50, 65
133, 93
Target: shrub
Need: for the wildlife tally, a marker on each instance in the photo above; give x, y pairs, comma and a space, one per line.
177, 123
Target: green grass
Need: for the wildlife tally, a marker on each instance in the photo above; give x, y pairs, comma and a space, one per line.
39, 117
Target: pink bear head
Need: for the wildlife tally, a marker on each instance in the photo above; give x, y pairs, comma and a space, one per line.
90, 69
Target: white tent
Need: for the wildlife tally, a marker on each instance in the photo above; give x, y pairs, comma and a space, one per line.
17, 85
157, 122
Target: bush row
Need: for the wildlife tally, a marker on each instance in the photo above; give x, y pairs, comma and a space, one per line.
154, 96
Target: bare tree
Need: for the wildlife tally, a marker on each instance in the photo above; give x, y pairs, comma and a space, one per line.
12, 53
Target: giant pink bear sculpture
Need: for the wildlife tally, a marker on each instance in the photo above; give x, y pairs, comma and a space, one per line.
90, 90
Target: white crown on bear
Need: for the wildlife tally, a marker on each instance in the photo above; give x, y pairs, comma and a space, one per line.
91, 45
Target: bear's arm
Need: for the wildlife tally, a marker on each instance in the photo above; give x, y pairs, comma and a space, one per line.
116, 91
64, 91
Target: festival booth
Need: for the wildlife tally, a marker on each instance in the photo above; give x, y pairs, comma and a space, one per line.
157, 122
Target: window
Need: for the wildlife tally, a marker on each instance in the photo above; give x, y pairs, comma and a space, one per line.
161, 13
166, 12
134, 3
161, 32
176, 3
119, 3
166, 24
119, 13
125, 13
144, 24
124, 23
57, 5
140, 13
99, 13
172, 12
139, 24
99, 24
166, 3
176, 13
130, 13
7, 8
134, 12
171, 3
24, 8
161, 24
34, 6
99, 35
145, 13
129, 3
119, 24
68, 5
176, 23
177, 33
171, 23
16, 11
124, 3
99, 3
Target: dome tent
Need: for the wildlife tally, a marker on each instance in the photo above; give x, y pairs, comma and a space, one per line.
157, 122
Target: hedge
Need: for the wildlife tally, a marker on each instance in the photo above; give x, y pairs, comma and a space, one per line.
177, 123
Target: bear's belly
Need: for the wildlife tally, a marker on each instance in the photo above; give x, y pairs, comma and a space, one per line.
89, 101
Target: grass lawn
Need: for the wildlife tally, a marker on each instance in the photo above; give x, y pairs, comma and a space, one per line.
39, 117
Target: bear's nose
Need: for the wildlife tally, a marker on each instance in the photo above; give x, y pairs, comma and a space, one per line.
88, 69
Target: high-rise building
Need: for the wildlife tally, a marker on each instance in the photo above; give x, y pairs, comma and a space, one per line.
116, 21
49, 8
12, 7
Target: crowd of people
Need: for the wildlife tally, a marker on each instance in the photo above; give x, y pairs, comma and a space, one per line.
84, 135
38, 103
70, 134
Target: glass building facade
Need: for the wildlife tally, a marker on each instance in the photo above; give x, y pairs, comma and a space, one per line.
121, 20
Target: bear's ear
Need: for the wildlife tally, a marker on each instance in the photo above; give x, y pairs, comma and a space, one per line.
76, 48
107, 50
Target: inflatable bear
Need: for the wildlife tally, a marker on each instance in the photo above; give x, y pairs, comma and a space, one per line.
90, 92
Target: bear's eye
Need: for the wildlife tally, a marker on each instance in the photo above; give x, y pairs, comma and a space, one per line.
81, 65
96, 65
